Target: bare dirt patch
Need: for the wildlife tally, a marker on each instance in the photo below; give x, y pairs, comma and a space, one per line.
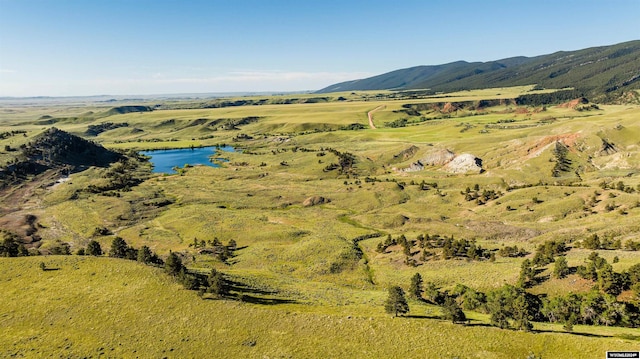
18, 203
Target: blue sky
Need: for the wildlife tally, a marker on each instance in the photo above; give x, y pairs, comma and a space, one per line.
117, 47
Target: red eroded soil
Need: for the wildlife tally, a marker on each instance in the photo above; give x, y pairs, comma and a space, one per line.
573, 103
568, 139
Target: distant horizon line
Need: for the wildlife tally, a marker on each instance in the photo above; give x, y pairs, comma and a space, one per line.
158, 95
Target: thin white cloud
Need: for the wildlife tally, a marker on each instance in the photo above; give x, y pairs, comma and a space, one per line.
168, 82
266, 76
7, 71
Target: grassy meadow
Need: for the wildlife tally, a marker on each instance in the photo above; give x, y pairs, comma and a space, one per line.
91, 307
313, 264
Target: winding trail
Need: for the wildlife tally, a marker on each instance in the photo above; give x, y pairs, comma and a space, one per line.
370, 115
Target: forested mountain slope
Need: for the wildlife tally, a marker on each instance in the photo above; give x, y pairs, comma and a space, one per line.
594, 70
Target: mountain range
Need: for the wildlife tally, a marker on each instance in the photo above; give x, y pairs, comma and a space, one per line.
593, 70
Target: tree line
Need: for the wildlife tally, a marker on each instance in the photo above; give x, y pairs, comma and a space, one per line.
513, 307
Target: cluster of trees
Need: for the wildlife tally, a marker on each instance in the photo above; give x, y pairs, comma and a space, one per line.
563, 163
632, 245
549, 98
546, 253
480, 197
593, 308
423, 185
598, 270
120, 249
390, 241
346, 160
595, 242
590, 107
214, 283
513, 307
121, 175
401, 122
463, 248
512, 252
451, 248
620, 186
353, 127
11, 246
396, 302
528, 271
7, 134
215, 247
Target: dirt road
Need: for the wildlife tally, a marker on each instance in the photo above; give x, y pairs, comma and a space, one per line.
370, 115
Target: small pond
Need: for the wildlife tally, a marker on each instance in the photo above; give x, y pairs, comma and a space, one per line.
165, 160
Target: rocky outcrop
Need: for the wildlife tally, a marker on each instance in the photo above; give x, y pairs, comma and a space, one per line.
438, 158
464, 163
406, 154
315, 200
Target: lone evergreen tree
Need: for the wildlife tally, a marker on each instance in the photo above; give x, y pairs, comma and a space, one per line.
144, 255
396, 302
527, 273
217, 284
609, 281
561, 268
415, 289
173, 265
499, 305
452, 311
568, 325
93, 248
521, 314
118, 248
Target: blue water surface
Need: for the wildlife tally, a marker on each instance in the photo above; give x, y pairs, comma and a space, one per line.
165, 160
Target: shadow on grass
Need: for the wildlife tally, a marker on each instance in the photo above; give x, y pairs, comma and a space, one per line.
266, 301
418, 316
50, 269
249, 299
476, 323
629, 337
239, 287
538, 271
588, 335
249, 294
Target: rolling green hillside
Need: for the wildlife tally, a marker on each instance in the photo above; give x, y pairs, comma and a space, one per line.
92, 307
327, 204
598, 69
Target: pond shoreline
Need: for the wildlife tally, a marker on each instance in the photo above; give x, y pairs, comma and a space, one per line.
165, 160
